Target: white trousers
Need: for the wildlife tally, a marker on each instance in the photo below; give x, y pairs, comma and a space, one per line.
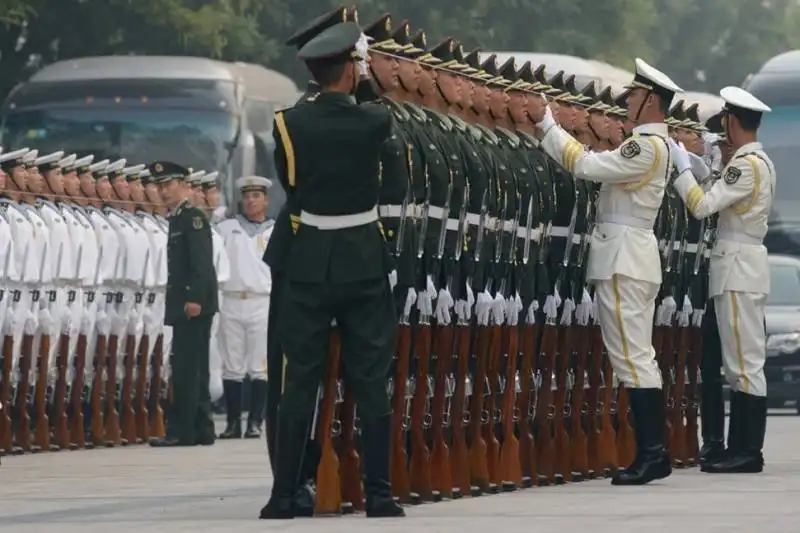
215, 387
740, 318
626, 307
242, 337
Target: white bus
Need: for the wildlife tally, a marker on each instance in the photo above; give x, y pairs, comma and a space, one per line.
197, 112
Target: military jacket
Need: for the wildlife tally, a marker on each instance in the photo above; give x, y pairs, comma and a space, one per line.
191, 277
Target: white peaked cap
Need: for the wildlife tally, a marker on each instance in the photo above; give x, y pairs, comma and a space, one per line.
68, 161
211, 177
135, 169
48, 159
253, 182
83, 161
31, 156
194, 177
738, 97
16, 154
647, 73
99, 166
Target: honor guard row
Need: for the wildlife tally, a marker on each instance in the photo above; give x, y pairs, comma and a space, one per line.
89, 269
549, 250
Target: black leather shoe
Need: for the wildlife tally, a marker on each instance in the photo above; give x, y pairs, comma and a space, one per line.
253, 430
233, 430
277, 509
304, 500
233, 407
747, 458
207, 440
376, 434
652, 460
169, 442
712, 421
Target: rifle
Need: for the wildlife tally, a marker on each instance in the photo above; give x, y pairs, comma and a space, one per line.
7, 364
398, 461
107, 360
525, 401
157, 392
329, 495
607, 407
131, 361
64, 383
349, 460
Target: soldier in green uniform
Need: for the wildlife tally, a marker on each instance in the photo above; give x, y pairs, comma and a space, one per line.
191, 302
328, 157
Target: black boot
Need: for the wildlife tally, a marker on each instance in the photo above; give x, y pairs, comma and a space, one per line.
377, 487
750, 426
289, 450
233, 407
652, 460
712, 422
734, 432
258, 402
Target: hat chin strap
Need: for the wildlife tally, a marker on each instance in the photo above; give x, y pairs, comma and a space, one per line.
441, 93
641, 106
378, 80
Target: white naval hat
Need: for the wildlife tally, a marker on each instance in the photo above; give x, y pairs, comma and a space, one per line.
209, 180
99, 168
650, 78
253, 183
194, 178
737, 98
133, 173
83, 165
9, 160
30, 157
116, 169
145, 175
68, 163
49, 161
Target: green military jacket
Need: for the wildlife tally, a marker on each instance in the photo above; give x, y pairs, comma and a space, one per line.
191, 276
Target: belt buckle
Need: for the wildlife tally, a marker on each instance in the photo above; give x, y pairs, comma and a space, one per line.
244, 295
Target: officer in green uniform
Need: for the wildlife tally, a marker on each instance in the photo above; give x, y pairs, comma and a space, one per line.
191, 302
327, 158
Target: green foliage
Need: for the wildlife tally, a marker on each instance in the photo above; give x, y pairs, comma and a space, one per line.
703, 44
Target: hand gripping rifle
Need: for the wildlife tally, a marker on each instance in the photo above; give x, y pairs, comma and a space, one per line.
422, 384
64, 379
398, 461
7, 353
21, 394
510, 460
40, 394
444, 382
79, 390
526, 399
128, 414
546, 415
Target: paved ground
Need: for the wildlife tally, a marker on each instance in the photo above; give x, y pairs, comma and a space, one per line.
221, 489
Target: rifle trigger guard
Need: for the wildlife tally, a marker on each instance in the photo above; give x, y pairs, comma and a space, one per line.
446, 419
567, 410
612, 407
498, 415
684, 402
406, 423
670, 403
427, 420
516, 414
336, 428
466, 418
584, 408
551, 412
484, 417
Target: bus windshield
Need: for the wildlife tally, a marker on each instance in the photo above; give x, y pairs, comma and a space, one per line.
190, 122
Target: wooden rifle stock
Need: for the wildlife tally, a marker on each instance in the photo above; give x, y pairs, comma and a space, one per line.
113, 432
579, 442
349, 460
562, 406
626, 441
23, 422
510, 465
441, 480
329, 493
61, 420
677, 444
6, 428
142, 413
158, 428
420, 471
77, 430
128, 414
42, 424
97, 394
489, 434
526, 403
667, 364
459, 453
545, 408
401, 484
695, 351
594, 406
607, 407
478, 466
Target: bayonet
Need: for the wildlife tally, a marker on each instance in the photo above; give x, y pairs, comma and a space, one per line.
445, 217
526, 247
401, 228
426, 207
481, 225
462, 218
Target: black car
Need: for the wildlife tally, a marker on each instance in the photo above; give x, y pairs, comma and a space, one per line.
782, 367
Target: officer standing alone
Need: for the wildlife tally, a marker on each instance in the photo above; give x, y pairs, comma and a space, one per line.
191, 302
244, 313
327, 158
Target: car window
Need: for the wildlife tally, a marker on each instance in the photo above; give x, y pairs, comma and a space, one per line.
785, 285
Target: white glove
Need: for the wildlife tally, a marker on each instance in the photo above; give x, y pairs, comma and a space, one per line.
680, 157
699, 168
14, 320
547, 121
118, 321
215, 385
362, 47
151, 320
87, 323
45, 320
103, 322
31, 323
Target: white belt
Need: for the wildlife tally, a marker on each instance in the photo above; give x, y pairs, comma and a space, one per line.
563, 231
244, 295
325, 222
736, 236
396, 211
625, 220
691, 248
536, 234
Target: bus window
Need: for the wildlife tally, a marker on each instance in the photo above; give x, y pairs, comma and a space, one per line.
259, 115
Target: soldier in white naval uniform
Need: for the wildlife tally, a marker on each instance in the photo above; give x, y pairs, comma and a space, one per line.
624, 262
739, 272
245, 308
213, 197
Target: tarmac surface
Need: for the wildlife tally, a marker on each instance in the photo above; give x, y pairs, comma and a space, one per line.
221, 489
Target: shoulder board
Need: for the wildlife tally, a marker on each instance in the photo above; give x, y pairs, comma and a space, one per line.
510, 136
458, 123
488, 134
475, 132
416, 112
440, 119
397, 110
